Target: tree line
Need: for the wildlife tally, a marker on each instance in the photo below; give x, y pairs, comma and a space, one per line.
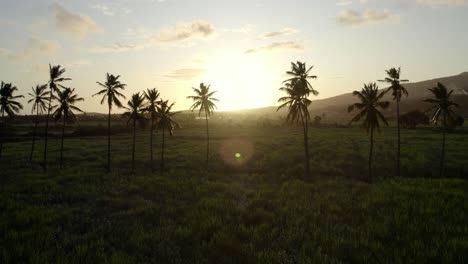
57, 101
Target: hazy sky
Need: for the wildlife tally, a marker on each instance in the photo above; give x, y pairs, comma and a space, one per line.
242, 48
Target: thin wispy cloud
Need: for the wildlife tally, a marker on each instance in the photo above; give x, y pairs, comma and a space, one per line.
104, 9
186, 73
34, 47
442, 2
199, 29
74, 24
370, 16
117, 47
280, 33
278, 46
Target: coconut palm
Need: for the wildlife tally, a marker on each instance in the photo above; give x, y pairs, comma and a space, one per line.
111, 95
370, 102
8, 105
56, 79
298, 90
136, 114
165, 122
204, 102
152, 96
64, 111
443, 108
397, 92
39, 98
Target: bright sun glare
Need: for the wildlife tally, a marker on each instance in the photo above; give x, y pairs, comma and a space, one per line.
242, 82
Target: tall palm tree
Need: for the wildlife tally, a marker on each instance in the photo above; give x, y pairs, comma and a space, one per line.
39, 98
152, 96
298, 90
370, 102
204, 101
8, 105
136, 114
165, 122
397, 92
56, 78
64, 111
443, 109
111, 94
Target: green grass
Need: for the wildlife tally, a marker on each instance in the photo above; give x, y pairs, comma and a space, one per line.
253, 209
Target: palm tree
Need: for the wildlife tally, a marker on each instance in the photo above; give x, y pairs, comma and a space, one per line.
152, 96
370, 102
8, 105
204, 101
298, 90
55, 75
136, 114
39, 98
397, 92
165, 122
111, 94
64, 111
443, 109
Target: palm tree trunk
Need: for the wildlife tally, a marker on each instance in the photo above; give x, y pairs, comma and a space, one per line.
305, 128
399, 144
34, 136
162, 152
207, 142
61, 144
442, 156
3, 132
133, 149
371, 150
151, 141
46, 136
109, 141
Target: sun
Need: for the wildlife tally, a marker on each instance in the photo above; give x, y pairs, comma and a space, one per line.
242, 82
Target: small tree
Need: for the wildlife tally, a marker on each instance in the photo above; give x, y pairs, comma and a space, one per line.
152, 96
39, 98
8, 105
136, 115
165, 122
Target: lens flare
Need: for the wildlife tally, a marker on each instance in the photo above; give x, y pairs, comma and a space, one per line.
236, 152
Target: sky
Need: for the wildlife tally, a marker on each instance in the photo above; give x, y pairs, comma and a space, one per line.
241, 48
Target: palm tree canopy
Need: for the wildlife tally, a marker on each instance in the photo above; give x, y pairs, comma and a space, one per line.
39, 97
66, 105
443, 105
165, 116
136, 109
111, 90
203, 100
396, 88
55, 75
8, 103
297, 104
151, 96
300, 74
370, 101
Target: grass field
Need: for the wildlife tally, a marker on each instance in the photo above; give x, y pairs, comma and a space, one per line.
252, 208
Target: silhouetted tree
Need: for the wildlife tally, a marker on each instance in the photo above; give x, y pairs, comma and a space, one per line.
152, 96
443, 109
135, 114
414, 118
8, 105
397, 92
370, 102
39, 98
64, 111
204, 101
298, 90
165, 122
55, 80
111, 94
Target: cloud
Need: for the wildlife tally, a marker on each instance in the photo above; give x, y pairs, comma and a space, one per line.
442, 2
278, 46
283, 32
187, 31
244, 29
34, 46
74, 24
117, 47
186, 73
344, 3
104, 9
370, 16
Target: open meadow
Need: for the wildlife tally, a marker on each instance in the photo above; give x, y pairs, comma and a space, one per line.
252, 207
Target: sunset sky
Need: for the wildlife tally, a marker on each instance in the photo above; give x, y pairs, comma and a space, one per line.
242, 48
